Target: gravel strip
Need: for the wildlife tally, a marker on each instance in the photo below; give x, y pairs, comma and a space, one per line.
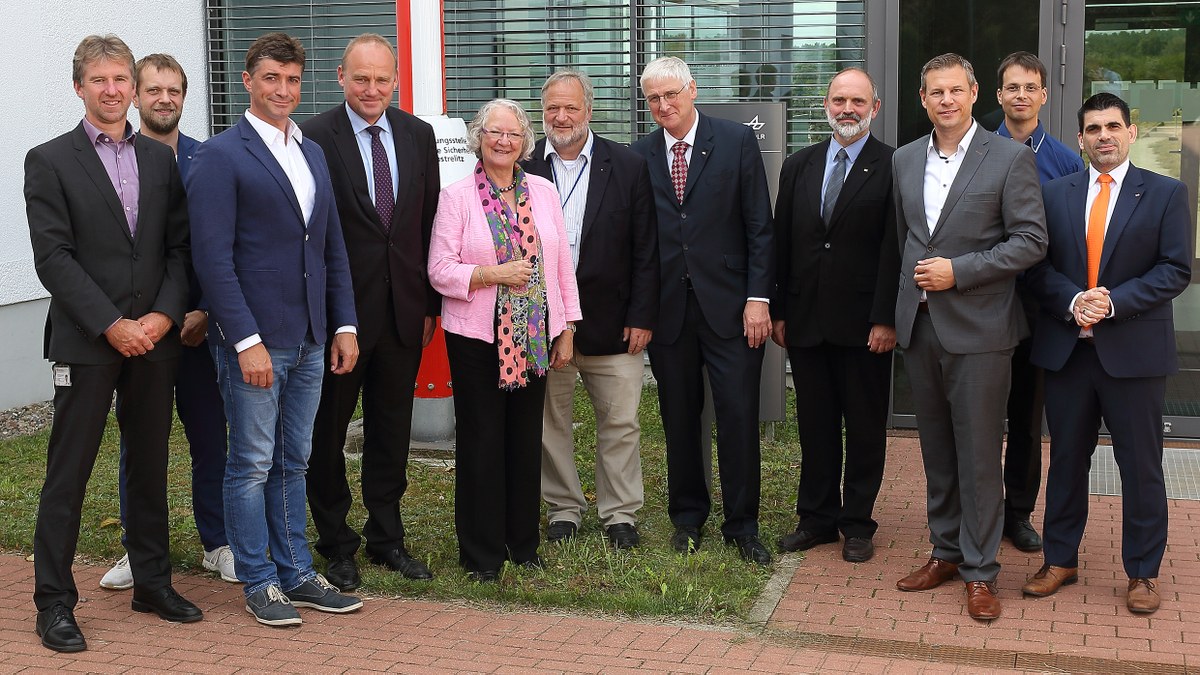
26, 420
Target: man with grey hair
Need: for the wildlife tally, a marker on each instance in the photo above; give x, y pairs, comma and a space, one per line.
378, 151
834, 311
109, 227
604, 189
717, 261
970, 218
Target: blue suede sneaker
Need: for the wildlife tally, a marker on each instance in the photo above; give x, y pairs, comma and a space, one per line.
323, 596
272, 608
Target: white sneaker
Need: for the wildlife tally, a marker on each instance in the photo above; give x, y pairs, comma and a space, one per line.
220, 560
120, 577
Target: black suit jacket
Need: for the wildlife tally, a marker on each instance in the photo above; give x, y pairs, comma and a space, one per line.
618, 248
720, 237
385, 267
834, 283
85, 257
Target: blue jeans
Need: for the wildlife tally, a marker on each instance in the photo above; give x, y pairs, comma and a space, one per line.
270, 437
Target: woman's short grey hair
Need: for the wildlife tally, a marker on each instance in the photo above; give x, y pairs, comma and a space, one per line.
585, 83
666, 68
475, 128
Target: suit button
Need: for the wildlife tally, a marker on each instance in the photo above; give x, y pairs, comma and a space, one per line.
306, 237
306, 275
930, 249
683, 216
685, 247
137, 294
136, 257
826, 244
387, 280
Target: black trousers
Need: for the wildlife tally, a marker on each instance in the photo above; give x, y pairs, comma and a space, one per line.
385, 374
80, 413
734, 370
837, 383
498, 459
1023, 449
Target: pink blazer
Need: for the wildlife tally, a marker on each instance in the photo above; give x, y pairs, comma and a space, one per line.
462, 241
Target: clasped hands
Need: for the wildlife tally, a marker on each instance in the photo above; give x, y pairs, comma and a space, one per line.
1091, 306
135, 338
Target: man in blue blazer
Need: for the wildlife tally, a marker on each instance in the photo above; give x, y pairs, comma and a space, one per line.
1119, 252
273, 268
717, 261
161, 90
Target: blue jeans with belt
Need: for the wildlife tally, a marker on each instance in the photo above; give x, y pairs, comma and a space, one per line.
270, 438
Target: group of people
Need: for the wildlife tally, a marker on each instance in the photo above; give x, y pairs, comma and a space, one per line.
276, 274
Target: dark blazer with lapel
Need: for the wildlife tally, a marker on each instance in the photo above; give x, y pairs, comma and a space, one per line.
1145, 263
187, 150
261, 269
721, 236
385, 267
618, 260
85, 257
835, 282
991, 228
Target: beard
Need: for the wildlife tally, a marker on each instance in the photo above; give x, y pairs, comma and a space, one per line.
563, 139
160, 125
848, 132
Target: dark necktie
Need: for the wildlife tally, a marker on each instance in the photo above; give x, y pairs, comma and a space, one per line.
385, 199
679, 168
836, 178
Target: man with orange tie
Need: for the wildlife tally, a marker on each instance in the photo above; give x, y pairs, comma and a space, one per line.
1106, 339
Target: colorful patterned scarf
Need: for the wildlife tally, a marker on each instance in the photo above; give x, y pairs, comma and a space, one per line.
521, 340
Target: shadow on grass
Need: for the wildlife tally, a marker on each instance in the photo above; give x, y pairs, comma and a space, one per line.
583, 575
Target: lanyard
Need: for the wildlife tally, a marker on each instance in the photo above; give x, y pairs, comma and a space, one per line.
554, 174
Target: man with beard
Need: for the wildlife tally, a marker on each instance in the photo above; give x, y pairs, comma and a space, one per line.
834, 311
161, 89
604, 189
1022, 93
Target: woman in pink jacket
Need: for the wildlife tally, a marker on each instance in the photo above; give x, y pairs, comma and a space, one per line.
500, 258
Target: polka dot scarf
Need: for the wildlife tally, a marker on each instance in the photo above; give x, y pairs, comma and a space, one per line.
521, 328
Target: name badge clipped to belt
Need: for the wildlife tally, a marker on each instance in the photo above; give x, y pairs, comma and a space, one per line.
62, 375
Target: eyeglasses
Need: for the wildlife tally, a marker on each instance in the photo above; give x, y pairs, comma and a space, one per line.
497, 135
1016, 88
669, 97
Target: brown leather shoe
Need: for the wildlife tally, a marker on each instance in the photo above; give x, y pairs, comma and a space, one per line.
982, 603
1049, 579
933, 574
1142, 597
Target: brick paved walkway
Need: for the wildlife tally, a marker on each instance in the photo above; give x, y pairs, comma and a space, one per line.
832, 617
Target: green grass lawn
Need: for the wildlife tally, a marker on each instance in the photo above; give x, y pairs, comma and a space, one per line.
582, 575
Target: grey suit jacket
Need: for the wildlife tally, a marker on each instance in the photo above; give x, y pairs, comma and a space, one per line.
992, 227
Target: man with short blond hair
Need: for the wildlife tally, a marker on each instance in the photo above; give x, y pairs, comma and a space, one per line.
109, 228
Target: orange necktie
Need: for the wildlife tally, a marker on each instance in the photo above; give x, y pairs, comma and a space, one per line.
1095, 231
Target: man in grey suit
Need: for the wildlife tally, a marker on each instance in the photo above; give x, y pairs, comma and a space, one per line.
969, 218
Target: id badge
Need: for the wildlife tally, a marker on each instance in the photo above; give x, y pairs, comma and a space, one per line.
62, 375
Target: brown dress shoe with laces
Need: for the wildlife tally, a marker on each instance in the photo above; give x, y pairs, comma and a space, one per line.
982, 603
933, 574
1049, 579
1142, 596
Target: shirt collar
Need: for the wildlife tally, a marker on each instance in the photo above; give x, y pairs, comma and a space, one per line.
1118, 174
358, 124
1035, 139
94, 133
962, 145
272, 135
852, 150
585, 152
689, 137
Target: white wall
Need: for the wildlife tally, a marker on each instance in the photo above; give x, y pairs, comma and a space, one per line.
41, 38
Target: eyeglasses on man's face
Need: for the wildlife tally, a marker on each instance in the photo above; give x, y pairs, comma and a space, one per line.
669, 97
497, 135
1014, 89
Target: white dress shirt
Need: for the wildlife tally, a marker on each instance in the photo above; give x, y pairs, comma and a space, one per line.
571, 178
940, 172
1114, 191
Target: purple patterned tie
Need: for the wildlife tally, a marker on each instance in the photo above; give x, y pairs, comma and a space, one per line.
385, 199
679, 168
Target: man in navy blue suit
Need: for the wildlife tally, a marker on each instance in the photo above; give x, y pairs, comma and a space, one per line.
1119, 252
272, 264
716, 261
161, 90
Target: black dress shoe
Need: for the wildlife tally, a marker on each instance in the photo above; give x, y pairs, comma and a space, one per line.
686, 539
858, 549
751, 549
484, 576
398, 560
1023, 536
560, 530
802, 540
623, 535
342, 571
167, 604
58, 630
